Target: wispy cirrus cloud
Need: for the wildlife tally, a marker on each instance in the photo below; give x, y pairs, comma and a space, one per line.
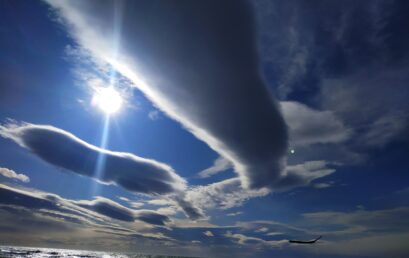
229, 193
308, 126
341, 74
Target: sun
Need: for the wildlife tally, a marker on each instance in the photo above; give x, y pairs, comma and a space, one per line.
108, 100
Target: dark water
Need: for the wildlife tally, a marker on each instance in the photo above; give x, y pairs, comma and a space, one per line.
13, 251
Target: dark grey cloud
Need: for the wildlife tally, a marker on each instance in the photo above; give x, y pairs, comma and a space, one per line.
66, 151
198, 63
152, 217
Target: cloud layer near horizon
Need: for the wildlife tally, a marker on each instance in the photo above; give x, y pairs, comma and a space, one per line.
77, 211
203, 73
64, 150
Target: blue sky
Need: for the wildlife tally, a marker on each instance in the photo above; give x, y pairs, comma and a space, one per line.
242, 125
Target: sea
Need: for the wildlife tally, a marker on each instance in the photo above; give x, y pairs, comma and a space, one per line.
32, 252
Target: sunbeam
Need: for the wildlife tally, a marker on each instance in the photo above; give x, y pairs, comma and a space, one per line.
100, 166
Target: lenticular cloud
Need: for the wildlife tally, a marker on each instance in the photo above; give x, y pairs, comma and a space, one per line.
197, 62
68, 152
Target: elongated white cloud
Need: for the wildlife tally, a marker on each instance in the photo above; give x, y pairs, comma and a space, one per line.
66, 151
52, 203
114, 210
197, 62
219, 165
13, 175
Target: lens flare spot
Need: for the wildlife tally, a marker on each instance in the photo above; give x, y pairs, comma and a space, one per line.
108, 100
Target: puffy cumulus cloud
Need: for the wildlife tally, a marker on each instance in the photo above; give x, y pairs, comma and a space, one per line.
218, 95
133, 173
308, 126
13, 175
219, 165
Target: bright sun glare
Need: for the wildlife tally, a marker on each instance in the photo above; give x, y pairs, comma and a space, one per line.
108, 100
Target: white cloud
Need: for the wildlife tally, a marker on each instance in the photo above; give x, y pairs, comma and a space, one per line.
153, 115
323, 185
208, 233
309, 126
365, 108
388, 220
205, 94
247, 240
385, 129
262, 230
136, 205
234, 214
161, 202
125, 169
219, 165
13, 175
223, 195
229, 193
133, 173
123, 199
